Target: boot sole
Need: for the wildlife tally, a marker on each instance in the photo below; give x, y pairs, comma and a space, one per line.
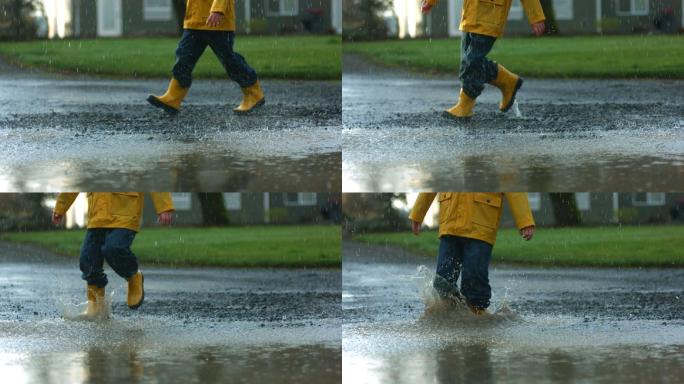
143, 295
157, 103
257, 105
518, 85
457, 118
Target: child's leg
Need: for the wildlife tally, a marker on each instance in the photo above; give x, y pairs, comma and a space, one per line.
190, 49
448, 265
476, 70
475, 279
117, 250
235, 65
91, 259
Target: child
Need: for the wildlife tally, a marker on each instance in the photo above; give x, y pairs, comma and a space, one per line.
209, 23
482, 22
113, 221
468, 223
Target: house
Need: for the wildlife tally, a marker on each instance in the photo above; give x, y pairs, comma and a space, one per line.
257, 208
574, 17
113, 18
597, 208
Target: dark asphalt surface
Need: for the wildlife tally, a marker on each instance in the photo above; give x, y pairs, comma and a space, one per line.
573, 134
549, 324
74, 132
196, 324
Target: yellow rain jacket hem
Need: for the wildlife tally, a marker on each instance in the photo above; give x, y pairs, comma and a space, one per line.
197, 12
489, 17
475, 215
115, 209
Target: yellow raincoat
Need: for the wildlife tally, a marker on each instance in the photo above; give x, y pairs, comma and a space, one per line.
197, 12
488, 17
473, 215
115, 209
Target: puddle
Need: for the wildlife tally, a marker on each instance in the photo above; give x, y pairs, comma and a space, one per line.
547, 325
133, 363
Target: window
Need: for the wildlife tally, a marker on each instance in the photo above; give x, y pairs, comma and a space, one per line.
232, 201
535, 200
583, 200
182, 201
641, 199
632, 7
282, 7
516, 12
157, 10
563, 9
300, 199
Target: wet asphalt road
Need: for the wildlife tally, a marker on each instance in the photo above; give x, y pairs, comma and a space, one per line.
195, 326
71, 133
551, 325
573, 135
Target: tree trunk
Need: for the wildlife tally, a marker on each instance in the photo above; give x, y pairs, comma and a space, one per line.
565, 209
214, 211
551, 24
179, 9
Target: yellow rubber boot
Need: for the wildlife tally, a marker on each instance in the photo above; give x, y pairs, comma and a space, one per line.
509, 83
252, 97
96, 302
136, 290
170, 102
464, 107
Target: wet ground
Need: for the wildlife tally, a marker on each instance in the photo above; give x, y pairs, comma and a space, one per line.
556, 325
195, 326
73, 133
573, 135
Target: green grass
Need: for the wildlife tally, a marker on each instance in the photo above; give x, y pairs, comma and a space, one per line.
647, 246
283, 57
591, 57
260, 246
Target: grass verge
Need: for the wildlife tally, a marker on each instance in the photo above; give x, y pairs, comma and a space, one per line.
258, 246
282, 57
660, 56
645, 246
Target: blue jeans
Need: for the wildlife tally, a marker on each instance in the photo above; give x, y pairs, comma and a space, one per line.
113, 245
192, 45
476, 69
470, 258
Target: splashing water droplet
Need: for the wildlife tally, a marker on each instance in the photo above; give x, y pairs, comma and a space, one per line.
516, 110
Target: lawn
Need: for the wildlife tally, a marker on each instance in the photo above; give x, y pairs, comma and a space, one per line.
282, 57
258, 246
660, 56
626, 246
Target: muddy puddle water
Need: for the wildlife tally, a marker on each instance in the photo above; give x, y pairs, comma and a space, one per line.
197, 325
546, 325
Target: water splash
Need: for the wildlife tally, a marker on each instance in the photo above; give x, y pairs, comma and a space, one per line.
516, 110
453, 309
74, 311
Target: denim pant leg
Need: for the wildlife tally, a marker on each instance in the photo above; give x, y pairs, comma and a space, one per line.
91, 260
475, 276
235, 65
448, 265
117, 251
476, 70
190, 49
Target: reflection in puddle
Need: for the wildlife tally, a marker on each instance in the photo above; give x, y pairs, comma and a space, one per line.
560, 325
131, 362
206, 171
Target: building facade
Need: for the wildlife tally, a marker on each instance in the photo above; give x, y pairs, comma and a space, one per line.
256, 208
574, 17
610, 208
114, 18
